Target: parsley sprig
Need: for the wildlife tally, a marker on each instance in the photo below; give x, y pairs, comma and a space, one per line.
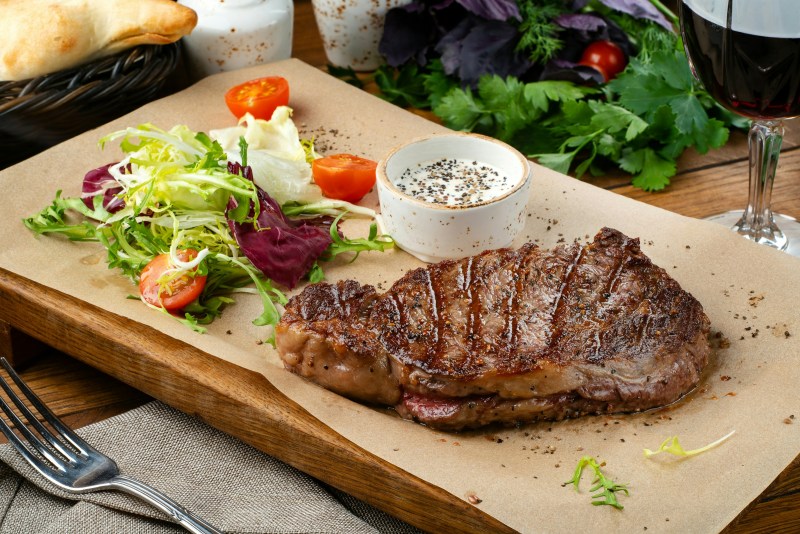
605, 489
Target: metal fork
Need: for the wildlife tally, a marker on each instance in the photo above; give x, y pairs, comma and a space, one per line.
72, 464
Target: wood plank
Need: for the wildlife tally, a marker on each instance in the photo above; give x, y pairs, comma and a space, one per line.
772, 516
231, 399
76, 393
708, 191
306, 41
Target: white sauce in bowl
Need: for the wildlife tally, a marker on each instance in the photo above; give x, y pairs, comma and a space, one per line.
454, 182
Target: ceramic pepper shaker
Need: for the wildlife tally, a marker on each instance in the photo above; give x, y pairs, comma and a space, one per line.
352, 29
233, 34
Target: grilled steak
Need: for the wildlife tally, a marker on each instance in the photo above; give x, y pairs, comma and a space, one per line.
507, 336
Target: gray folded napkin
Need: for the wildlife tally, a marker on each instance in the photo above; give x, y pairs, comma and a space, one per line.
231, 485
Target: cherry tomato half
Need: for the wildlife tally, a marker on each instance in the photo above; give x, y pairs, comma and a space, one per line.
175, 294
606, 57
258, 97
344, 176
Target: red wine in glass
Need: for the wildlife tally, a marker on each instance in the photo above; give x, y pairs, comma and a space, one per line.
747, 55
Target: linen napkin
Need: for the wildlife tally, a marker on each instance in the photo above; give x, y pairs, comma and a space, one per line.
231, 485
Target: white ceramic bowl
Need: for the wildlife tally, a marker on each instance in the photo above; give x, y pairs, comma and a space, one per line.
434, 231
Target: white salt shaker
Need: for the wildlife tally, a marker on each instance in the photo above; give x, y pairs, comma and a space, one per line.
233, 34
351, 30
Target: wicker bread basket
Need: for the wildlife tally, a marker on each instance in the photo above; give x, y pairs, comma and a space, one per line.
41, 112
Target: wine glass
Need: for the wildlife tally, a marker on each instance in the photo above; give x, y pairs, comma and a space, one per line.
747, 55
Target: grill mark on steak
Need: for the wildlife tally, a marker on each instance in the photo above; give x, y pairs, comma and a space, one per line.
506, 336
557, 314
612, 283
474, 306
512, 309
610, 289
433, 348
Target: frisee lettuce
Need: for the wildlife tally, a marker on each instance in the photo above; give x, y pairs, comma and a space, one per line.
178, 189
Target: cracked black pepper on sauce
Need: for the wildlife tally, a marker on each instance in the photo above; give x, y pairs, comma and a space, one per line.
454, 182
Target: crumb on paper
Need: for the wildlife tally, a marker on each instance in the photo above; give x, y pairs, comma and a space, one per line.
472, 498
755, 299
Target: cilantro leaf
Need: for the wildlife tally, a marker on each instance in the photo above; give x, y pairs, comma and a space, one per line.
559, 162
614, 119
459, 110
651, 171
689, 114
402, 87
540, 94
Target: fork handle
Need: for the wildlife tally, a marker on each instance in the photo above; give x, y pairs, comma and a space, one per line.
178, 513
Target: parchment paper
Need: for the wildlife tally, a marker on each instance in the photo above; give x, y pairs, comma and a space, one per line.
516, 475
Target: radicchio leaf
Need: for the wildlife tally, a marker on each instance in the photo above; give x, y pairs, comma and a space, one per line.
284, 250
492, 9
100, 182
642, 9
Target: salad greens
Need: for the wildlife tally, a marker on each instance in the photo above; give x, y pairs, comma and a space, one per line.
219, 195
511, 70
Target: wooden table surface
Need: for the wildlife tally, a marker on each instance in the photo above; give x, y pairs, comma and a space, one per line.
706, 185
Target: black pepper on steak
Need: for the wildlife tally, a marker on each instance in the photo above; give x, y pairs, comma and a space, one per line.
506, 336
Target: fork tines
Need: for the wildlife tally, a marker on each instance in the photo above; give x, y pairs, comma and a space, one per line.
44, 444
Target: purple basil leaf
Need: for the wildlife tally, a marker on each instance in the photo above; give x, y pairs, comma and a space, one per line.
618, 36
407, 34
640, 9
280, 248
100, 182
559, 69
582, 30
451, 44
442, 5
583, 22
477, 47
492, 9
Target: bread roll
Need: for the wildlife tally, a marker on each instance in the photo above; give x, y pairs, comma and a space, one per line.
42, 36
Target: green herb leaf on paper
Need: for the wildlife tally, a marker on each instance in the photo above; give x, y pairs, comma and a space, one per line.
605, 490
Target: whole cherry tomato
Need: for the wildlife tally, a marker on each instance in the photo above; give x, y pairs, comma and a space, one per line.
344, 176
258, 97
171, 294
606, 57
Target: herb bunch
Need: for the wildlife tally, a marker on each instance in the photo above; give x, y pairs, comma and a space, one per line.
518, 79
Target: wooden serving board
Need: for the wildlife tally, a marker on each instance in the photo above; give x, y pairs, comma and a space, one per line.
237, 401
61, 294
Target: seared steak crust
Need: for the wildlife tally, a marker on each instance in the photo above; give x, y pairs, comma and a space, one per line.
505, 336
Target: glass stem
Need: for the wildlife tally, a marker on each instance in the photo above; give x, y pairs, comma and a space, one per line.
757, 222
